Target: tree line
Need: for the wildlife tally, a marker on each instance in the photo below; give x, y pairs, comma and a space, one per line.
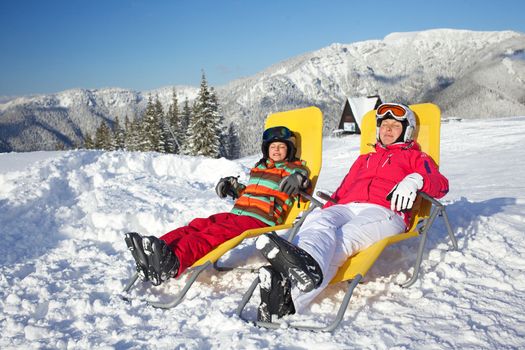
197, 130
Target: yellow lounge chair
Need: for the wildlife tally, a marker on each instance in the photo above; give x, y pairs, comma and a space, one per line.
424, 212
307, 124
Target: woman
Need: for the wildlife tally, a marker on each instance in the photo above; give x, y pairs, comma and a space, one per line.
372, 202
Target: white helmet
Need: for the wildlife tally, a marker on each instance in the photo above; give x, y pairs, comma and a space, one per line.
398, 112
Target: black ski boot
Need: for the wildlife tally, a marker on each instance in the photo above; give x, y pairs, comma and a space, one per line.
276, 297
134, 243
162, 263
291, 261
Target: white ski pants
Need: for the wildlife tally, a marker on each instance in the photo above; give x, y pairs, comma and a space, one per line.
334, 234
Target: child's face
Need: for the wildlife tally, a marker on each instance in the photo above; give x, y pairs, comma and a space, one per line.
277, 151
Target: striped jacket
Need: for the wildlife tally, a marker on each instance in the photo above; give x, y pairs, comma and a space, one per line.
261, 198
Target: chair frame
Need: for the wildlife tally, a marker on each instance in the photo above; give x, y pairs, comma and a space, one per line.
419, 227
293, 119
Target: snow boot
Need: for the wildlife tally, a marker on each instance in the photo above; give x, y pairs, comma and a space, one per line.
134, 243
291, 261
276, 298
162, 262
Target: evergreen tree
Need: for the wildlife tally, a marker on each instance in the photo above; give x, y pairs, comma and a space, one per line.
233, 143
184, 122
162, 126
119, 135
203, 137
151, 131
103, 137
219, 124
133, 135
173, 139
128, 139
60, 146
88, 142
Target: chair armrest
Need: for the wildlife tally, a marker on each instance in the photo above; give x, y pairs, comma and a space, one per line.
312, 200
326, 197
431, 199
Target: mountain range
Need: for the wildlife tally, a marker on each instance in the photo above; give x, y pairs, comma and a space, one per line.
468, 74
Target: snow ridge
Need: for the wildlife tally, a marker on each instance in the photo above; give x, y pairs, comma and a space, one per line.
468, 74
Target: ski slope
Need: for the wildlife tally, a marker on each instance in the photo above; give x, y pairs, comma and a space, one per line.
63, 260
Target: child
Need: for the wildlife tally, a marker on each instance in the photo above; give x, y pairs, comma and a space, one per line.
372, 202
272, 187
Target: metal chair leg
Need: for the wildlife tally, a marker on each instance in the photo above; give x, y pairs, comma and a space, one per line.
131, 282
275, 325
421, 248
449, 229
178, 299
417, 264
299, 223
246, 298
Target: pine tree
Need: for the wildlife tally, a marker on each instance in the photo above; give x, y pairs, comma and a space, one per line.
233, 143
151, 131
203, 137
145, 142
103, 137
162, 127
219, 124
119, 135
184, 122
128, 136
88, 142
60, 146
133, 137
172, 123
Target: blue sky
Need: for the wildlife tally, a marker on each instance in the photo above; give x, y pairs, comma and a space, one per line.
53, 45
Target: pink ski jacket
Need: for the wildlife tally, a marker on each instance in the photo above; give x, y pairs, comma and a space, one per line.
373, 175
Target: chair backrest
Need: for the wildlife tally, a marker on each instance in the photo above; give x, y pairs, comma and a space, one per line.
427, 135
307, 125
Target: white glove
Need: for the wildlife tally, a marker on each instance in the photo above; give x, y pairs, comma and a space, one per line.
403, 195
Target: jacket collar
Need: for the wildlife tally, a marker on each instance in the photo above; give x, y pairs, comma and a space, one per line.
270, 163
398, 146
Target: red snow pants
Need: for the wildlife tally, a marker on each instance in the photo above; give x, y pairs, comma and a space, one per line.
202, 235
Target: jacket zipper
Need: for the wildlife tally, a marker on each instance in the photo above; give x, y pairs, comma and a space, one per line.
387, 160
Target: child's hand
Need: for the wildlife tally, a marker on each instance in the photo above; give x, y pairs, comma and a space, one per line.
294, 183
227, 186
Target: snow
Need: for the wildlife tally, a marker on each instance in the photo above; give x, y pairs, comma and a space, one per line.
63, 260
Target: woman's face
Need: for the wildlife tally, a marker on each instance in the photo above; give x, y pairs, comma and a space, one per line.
277, 151
389, 131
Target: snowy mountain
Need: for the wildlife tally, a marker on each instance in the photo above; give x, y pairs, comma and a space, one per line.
39, 122
63, 260
468, 74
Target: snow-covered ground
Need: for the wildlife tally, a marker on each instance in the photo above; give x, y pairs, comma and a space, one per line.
63, 261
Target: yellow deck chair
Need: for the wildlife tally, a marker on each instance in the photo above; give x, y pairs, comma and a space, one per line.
424, 212
307, 125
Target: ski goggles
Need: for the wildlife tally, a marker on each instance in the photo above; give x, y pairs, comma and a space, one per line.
397, 111
277, 133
